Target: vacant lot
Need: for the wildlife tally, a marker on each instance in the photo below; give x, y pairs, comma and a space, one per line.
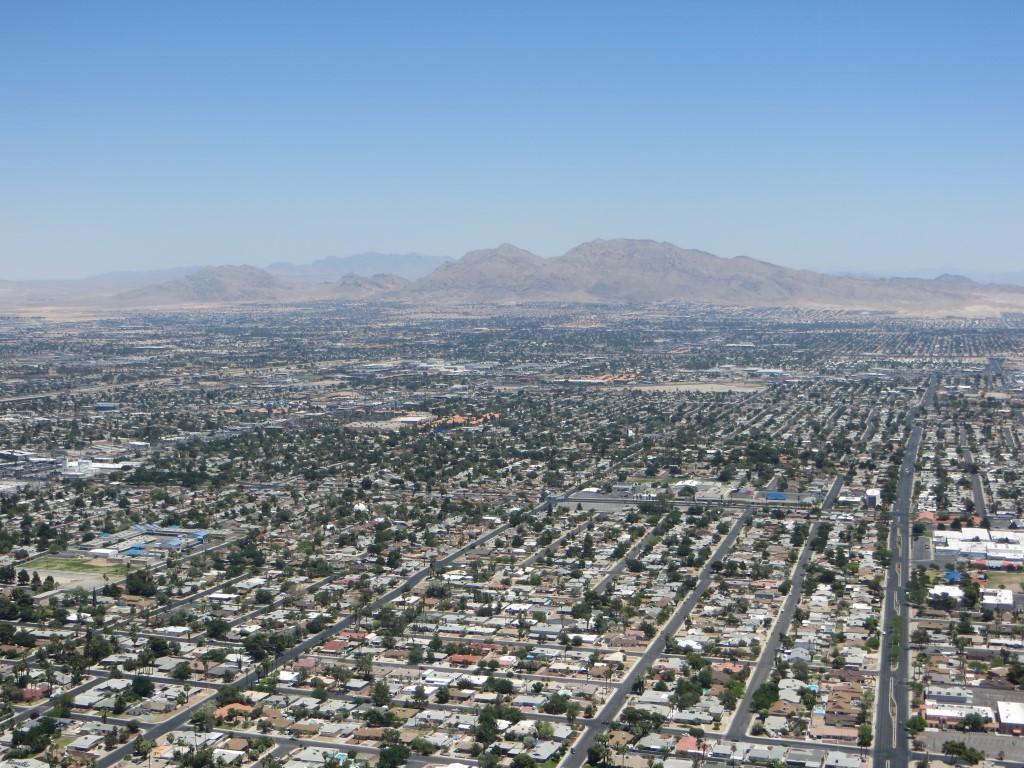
69, 573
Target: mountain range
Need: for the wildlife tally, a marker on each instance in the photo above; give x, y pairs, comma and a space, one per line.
630, 272
410, 266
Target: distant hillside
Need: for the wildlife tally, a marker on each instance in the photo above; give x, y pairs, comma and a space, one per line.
213, 285
1003, 278
233, 285
139, 279
410, 266
359, 288
70, 292
502, 274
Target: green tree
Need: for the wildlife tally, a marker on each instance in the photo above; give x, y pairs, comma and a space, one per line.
393, 756
217, 628
140, 583
182, 671
958, 750
973, 722
640, 722
599, 754
865, 736
143, 746
487, 726
916, 725
143, 687
557, 704
380, 695
766, 695
572, 711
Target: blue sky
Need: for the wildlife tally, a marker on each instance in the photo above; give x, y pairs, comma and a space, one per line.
862, 136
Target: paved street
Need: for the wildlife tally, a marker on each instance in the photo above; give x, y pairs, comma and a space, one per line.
978, 493
891, 744
741, 719
654, 650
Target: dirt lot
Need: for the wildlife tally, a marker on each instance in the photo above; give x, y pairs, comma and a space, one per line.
1004, 580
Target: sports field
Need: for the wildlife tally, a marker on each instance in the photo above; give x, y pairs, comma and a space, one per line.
78, 566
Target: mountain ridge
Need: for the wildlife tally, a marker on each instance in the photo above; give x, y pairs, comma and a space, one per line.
620, 271
646, 271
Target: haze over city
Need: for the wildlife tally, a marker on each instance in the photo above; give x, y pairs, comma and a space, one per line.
867, 138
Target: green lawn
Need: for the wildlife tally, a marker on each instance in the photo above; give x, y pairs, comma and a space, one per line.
75, 566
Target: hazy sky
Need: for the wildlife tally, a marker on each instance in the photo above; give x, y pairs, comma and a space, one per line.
866, 136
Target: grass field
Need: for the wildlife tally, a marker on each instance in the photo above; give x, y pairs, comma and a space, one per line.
1005, 580
76, 566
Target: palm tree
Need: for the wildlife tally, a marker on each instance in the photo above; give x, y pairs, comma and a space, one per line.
51, 756
621, 748
961, 652
603, 750
572, 711
51, 677
609, 673
921, 661
20, 671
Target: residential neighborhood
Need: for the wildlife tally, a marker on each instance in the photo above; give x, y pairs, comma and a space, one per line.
510, 539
